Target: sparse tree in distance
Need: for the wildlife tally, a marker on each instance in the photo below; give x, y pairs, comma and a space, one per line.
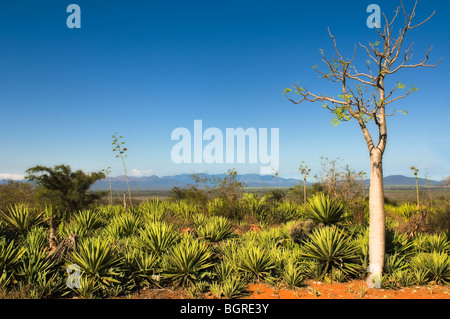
107, 171
121, 153
416, 172
447, 181
365, 98
304, 170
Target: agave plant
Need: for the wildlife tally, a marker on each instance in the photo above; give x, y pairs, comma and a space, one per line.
123, 225
293, 274
89, 288
289, 210
398, 243
322, 209
435, 264
98, 259
438, 243
255, 261
233, 287
47, 285
255, 205
184, 209
36, 239
89, 219
82, 224
21, 217
393, 263
153, 211
224, 269
9, 259
406, 210
141, 265
188, 262
157, 237
329, 247
35, 263
216, 229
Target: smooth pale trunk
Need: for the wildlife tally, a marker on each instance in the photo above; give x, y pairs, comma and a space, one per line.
377, 227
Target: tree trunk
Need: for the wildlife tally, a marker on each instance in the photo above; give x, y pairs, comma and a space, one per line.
377, 226
52, 241
304, 190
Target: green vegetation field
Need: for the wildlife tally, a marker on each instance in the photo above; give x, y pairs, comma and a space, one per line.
216, 240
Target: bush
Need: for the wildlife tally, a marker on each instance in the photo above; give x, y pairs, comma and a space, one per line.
232, 287
98, 260
215, 229
21, 218
187, 262
322, 209
157, 237
9, 258
301, 230
293, 275
255, 261
329, 247
436, 266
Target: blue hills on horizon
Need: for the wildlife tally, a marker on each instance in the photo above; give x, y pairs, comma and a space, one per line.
154, 182
249, 180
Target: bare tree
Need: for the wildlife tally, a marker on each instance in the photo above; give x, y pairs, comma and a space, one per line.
447, 181
365, 98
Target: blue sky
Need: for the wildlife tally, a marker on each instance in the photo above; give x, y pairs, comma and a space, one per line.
144, 68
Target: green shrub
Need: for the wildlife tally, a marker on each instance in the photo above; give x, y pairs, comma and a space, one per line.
84, 224
216, 229
224, 269
141, 266
329, 247
398, 243
435, 264
289, 210
293, 275
322, 209
233, 287
98, 259
394, 263
21, 218
9, 259
35, 264
255, 261
188, 261
301, 230
123, 225
157, 237
437, 242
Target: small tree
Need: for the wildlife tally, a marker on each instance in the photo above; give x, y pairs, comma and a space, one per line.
365, 97
63, 188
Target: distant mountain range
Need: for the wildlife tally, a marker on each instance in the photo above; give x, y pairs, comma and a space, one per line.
183, 180
249, 180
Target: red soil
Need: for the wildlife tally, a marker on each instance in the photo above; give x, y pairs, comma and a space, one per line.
356, 289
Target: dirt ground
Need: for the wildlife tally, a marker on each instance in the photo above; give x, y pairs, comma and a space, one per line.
356, 289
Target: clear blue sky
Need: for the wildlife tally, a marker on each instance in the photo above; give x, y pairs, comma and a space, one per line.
144, 68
